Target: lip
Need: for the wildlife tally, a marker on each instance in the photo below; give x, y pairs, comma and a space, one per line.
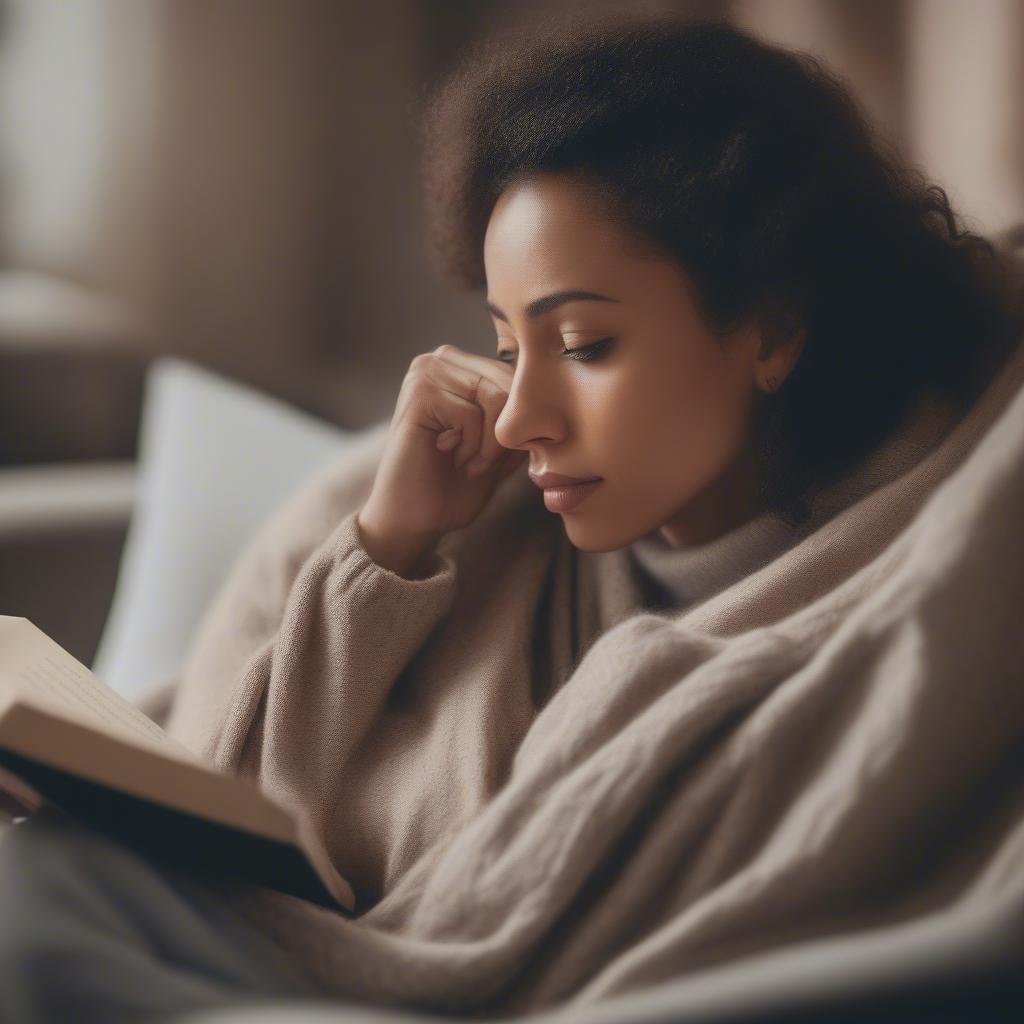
546, 480
565, 499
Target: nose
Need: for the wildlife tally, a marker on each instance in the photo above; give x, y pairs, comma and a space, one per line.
531, 413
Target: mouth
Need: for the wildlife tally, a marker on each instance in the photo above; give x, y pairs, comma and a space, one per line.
557, 480
566, 498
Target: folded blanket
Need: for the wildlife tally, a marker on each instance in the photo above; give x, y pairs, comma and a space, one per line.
544, 792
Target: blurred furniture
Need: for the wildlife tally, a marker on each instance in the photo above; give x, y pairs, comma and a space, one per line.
216, 457
72, 366
62, 527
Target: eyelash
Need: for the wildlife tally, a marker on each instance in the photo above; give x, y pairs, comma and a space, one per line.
584, 354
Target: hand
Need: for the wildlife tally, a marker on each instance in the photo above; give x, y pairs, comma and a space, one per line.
444, 418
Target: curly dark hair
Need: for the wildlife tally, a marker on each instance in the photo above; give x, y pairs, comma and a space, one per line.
755, 169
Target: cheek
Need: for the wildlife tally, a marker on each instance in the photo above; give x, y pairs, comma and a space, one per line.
635, 416
648, 421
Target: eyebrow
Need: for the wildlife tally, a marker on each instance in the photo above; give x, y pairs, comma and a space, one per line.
549, 302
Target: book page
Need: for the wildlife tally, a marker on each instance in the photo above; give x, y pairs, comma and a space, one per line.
35, 668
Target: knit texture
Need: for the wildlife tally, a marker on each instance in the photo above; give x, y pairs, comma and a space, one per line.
678, 576
545, 791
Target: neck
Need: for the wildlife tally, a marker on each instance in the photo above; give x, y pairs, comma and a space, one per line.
729, 502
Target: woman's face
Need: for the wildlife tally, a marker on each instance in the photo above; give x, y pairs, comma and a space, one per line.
661, 411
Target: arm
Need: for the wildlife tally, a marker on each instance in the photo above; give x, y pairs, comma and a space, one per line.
302, 676
310, 693
301, 643
405, 555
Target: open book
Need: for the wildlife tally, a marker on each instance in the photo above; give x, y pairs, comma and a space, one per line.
69, 740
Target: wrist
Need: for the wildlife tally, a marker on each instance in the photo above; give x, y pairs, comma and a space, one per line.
402, 552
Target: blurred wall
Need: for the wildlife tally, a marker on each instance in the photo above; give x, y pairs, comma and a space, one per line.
943, 79
244, 173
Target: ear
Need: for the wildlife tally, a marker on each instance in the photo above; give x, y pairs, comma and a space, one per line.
783, 336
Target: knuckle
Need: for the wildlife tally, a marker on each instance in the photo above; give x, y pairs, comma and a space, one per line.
445, 350
491, 396
419, 388
415, 381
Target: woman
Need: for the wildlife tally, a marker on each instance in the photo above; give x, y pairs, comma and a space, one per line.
570, 746
729, 208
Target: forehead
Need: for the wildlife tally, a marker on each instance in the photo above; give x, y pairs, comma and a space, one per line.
546, 229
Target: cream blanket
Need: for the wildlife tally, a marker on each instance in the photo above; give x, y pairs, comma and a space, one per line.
544, 793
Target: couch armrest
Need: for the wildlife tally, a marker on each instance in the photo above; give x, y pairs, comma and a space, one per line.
62, 528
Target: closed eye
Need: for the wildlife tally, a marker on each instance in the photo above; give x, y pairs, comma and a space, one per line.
583, 354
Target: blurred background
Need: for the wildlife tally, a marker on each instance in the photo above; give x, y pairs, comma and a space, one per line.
234, 182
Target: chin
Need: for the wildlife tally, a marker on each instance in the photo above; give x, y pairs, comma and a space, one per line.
593, 539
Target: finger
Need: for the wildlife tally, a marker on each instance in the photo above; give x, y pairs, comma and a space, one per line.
438, 405
453, 407
448, 439
492, 391
497, 370
436, 395
489, 396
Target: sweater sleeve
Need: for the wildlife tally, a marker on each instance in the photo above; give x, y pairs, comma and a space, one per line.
294, 664
349, 629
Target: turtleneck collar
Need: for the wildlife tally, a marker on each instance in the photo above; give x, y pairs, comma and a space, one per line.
678, 576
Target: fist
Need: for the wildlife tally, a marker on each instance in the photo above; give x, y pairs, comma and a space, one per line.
441, 460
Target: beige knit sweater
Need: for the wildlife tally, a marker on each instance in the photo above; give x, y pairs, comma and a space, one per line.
541, 790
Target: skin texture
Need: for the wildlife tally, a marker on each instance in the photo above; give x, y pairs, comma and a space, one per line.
662, 414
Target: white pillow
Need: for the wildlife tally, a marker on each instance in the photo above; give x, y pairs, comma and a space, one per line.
215, 459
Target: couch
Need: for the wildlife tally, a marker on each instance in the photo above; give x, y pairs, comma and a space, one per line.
215, 459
